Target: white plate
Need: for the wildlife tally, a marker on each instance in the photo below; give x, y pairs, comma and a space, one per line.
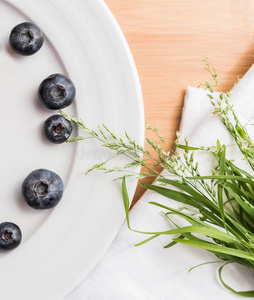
61, 246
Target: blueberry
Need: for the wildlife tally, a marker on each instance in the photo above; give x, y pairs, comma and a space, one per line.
57, 129
10, 236
56, 91
26, 38
42, 189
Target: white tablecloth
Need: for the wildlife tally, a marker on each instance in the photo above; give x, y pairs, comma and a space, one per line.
150, 271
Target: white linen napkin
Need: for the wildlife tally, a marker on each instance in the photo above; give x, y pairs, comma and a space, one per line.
151, 271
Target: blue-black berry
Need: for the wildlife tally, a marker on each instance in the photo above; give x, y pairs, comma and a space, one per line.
57, 129
57, 91
26, 38
10, 236
42, 189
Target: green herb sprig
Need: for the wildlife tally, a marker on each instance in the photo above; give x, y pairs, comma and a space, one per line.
219, 208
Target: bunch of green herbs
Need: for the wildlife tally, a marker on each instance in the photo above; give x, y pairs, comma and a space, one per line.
219, 208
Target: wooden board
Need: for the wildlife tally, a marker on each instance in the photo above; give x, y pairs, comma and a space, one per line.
169, 39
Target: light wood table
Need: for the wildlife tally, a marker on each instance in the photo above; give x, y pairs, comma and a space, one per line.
169, 39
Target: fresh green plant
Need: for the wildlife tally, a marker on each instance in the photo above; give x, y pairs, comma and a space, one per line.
218, 208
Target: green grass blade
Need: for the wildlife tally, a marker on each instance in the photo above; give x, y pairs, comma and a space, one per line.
188, 189
243, 293
249, 194
198, 201
248, 209
243, 220
203, 264
241, 131
223, 177
237, 169
192, 220
235, 189
230, 258
245, 187
210, 232
198, 222
240, 231
211, 217
220, 187
171, 244
180, 185
126, 201
147, 240
174, 195
240, 215
184, 147
218, 249
234, 228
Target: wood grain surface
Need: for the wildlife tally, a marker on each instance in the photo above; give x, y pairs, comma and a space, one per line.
169, 39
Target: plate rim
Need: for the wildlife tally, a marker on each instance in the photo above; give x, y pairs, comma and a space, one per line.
119, 38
